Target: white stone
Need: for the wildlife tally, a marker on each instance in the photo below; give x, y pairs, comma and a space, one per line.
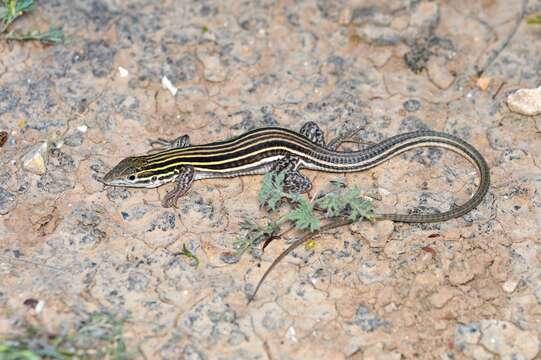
292, 334
40, 306
123, 72
35, 159
166, 84
510, 285
525, 101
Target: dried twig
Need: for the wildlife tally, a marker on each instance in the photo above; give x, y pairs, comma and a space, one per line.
496, 52
296, 244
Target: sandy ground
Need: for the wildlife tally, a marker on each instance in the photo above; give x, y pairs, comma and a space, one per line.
466, 288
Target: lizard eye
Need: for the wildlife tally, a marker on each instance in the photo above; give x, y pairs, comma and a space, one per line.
131, 177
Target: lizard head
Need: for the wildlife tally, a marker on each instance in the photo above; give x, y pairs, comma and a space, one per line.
131, 172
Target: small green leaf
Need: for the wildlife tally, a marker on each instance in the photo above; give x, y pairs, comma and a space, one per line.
332, 203
255, 234
189, 254
350, 203
271, 190
303, 215
535, 21
359, 209
52, 37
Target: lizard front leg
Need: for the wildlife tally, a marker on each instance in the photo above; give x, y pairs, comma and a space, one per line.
182, 185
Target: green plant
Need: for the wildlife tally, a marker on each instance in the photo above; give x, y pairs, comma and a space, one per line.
338, 207
52, 37
13, 9
303, 214
189, 255
97, 335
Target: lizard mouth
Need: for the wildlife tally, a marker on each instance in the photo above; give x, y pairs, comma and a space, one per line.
103, 180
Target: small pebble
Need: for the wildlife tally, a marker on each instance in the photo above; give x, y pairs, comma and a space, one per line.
411, 105
439, 74
7, 201
345, 16
229, 258
483, 83
34, 160
123, 72
214, 70
292, 334
525, 101
510, 285
377, 233
442, 296
39, 307
467, 334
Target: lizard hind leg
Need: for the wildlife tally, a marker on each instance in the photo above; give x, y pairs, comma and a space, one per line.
297, 183
164, 144
294, 181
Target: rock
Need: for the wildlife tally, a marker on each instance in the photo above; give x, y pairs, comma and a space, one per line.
292, 335
467, 334
34, 161
483, 83
74, 139
377, 233
443, 295
167, 84
379, 35
508, 341
525, 101
7, 201
460, 273
370, 272
214, 69
246, 50
368, 321
439, 74
345, 16
229, 258
377, 351
379, 56
123, 72
510, 285
425, 16
411, 105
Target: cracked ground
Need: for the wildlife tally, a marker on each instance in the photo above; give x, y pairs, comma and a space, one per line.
466, 288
